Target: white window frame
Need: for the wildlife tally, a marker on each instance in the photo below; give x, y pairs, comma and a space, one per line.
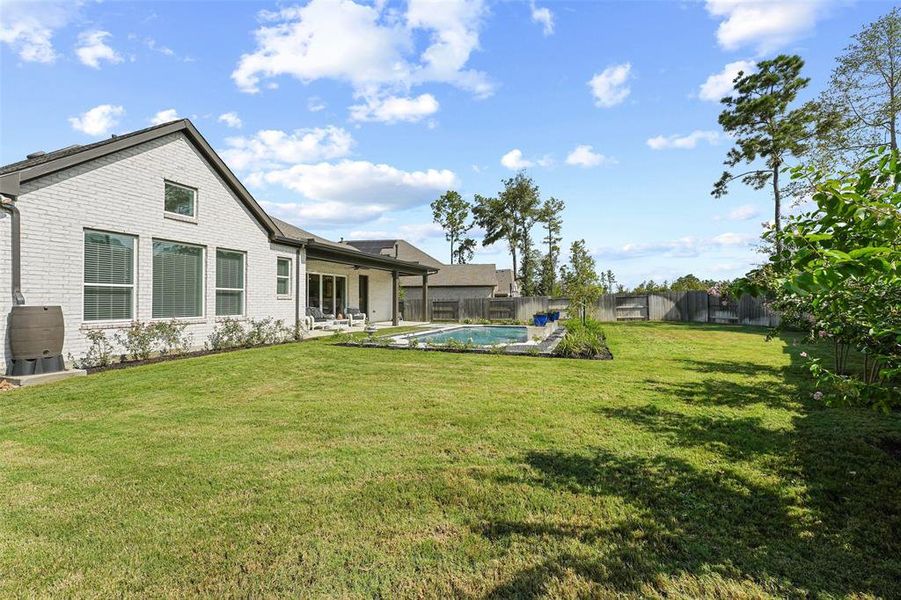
179, 216
289, 277
134, 278
322, 283
203, 276
243, 290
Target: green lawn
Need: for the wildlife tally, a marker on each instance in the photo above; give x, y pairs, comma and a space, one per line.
693, 464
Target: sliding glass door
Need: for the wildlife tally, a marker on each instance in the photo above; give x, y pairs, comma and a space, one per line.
327, 292
313, 290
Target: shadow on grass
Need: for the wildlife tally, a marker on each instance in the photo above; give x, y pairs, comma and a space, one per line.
810, 510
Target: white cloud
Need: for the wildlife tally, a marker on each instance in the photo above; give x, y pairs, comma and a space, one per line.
393, 109
315, 104
412, 232
28, 28
164, 116
766, 25
683, 142
353, 191
719, 85
585, 156
368, 46
744, 212
92, 49
231, 119
609, 87
98, 120
454, 35
688, 246
273, 148
514, 160
544, 17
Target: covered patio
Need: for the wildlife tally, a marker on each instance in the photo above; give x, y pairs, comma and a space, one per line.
335, 277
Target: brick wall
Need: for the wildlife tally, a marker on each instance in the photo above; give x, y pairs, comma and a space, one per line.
123, 193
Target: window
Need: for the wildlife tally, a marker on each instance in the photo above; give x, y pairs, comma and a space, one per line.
283, 277
180, 200
313, 290
177, 280
229, 283
327, 292
109, 276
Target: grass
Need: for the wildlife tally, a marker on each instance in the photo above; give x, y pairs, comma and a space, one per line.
694, 464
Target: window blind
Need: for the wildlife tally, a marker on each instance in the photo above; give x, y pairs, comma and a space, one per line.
177, 280
108, 276
229, 283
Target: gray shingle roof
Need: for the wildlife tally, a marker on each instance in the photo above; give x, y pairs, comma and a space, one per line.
402, 249
302, 235
459, 276
280, 231
74, 149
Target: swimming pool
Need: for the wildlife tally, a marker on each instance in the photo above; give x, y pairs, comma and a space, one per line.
479, 335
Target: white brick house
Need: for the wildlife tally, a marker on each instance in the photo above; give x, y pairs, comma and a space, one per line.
153, 225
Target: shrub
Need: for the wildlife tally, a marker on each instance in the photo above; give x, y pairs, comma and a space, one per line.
582, 340
100, 352
267, 331
838, 276
170, 335
228, 333
137, 340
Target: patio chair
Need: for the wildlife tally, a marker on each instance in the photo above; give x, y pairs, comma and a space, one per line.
319, 320
355, 316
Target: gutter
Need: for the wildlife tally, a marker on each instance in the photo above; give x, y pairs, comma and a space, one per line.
8, 204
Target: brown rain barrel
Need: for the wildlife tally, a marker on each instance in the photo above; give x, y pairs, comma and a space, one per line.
36, 336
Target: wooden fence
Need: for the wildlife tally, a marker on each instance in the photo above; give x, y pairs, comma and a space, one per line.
699, 307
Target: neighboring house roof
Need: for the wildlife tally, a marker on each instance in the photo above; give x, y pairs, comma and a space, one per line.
506, 283
475, 275
401, 249
466, 275
39, 165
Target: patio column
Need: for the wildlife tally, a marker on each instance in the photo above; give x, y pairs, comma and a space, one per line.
425, 298
395, 319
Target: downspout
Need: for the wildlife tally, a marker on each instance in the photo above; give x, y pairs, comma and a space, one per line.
297, 294
8, 203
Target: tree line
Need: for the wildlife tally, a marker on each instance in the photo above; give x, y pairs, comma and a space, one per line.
509, 217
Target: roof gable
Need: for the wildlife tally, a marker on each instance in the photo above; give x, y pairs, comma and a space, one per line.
14, 174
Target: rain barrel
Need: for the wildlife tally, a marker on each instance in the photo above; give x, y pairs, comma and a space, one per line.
36, 336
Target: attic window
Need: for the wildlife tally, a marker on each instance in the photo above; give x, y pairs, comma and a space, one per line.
180, 200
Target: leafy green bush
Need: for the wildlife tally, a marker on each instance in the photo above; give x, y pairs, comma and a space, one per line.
137, 339
267, 331
838, 276
170, 337
99, 354
228, 333
583, 339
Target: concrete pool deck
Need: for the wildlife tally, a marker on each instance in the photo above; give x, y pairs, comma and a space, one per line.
541, 341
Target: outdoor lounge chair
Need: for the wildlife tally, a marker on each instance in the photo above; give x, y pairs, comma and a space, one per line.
319, 320
355, 316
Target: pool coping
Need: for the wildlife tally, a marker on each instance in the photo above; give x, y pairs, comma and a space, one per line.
553, 333
531, 333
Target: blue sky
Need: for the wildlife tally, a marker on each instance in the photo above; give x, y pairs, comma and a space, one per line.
349, 118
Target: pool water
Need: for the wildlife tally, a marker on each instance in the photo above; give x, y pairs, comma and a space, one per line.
480, 335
